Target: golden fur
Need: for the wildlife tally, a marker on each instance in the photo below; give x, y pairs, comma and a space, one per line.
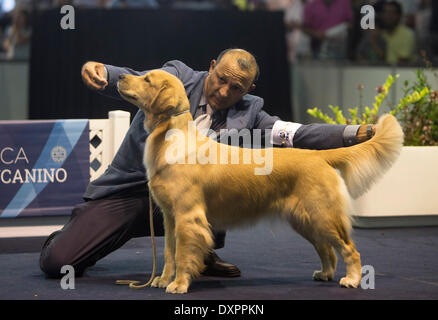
303, 188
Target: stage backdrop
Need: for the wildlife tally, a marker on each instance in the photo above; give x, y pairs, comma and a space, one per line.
44, 166
145, 39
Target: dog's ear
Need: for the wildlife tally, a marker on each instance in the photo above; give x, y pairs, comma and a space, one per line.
165, 98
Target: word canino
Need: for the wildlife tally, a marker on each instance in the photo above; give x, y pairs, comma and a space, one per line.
12, 156
192, 148
40, 175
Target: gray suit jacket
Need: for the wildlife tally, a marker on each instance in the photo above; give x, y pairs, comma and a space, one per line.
127, 169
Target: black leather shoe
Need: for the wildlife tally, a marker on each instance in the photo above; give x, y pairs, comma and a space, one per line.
218, 268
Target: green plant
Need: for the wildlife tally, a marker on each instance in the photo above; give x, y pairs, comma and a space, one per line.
417, 111
369, 115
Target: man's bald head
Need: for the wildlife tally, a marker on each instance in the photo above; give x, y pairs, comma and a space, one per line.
245, 60
229, 78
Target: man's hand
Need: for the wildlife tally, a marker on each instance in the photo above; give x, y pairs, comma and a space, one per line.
93, 75
365, 132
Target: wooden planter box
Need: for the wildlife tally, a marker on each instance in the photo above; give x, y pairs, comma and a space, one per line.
407, 195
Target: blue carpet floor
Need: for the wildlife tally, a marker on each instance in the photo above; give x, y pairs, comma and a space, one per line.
276, 264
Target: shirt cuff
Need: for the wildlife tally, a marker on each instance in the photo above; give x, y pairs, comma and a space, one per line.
283, 133
350, 135
105, 72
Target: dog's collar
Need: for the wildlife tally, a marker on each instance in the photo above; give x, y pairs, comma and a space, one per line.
167, 118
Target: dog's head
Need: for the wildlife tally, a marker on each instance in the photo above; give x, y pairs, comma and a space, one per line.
156, 92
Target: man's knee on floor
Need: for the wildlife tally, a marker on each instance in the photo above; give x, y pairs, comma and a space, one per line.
51, 263
53, 258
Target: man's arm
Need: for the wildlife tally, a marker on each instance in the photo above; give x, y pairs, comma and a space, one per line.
310, 136
103, 77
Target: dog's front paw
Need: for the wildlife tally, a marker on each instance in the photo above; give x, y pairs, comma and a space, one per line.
160, 282
349, 282
177, 287
322, 276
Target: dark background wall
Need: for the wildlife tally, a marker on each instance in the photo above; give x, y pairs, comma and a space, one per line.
145, 39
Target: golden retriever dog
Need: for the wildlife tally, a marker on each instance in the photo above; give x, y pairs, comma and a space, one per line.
304, 188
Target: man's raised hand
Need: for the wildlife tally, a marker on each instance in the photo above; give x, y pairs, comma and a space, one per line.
93, 75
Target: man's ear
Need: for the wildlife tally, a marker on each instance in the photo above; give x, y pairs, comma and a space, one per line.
212, 65
251, 87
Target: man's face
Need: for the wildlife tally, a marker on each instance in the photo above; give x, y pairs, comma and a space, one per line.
227, 83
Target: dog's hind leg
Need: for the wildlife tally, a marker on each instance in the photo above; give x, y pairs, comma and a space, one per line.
351, 257
169, 253
301, 222
193, 242
339, 237
334, 233
326, 227
328, 262
323, 248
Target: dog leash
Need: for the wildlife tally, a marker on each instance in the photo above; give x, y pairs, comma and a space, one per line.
133, 283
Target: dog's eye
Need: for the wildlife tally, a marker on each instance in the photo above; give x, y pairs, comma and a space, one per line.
147, 80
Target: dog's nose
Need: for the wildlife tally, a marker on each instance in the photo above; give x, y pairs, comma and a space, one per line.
122, 76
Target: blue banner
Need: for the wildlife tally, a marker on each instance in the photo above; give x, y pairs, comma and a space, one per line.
44, 166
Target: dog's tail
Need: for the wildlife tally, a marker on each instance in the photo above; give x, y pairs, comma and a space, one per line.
363, 164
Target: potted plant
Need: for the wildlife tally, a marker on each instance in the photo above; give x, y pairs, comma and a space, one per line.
407, 195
